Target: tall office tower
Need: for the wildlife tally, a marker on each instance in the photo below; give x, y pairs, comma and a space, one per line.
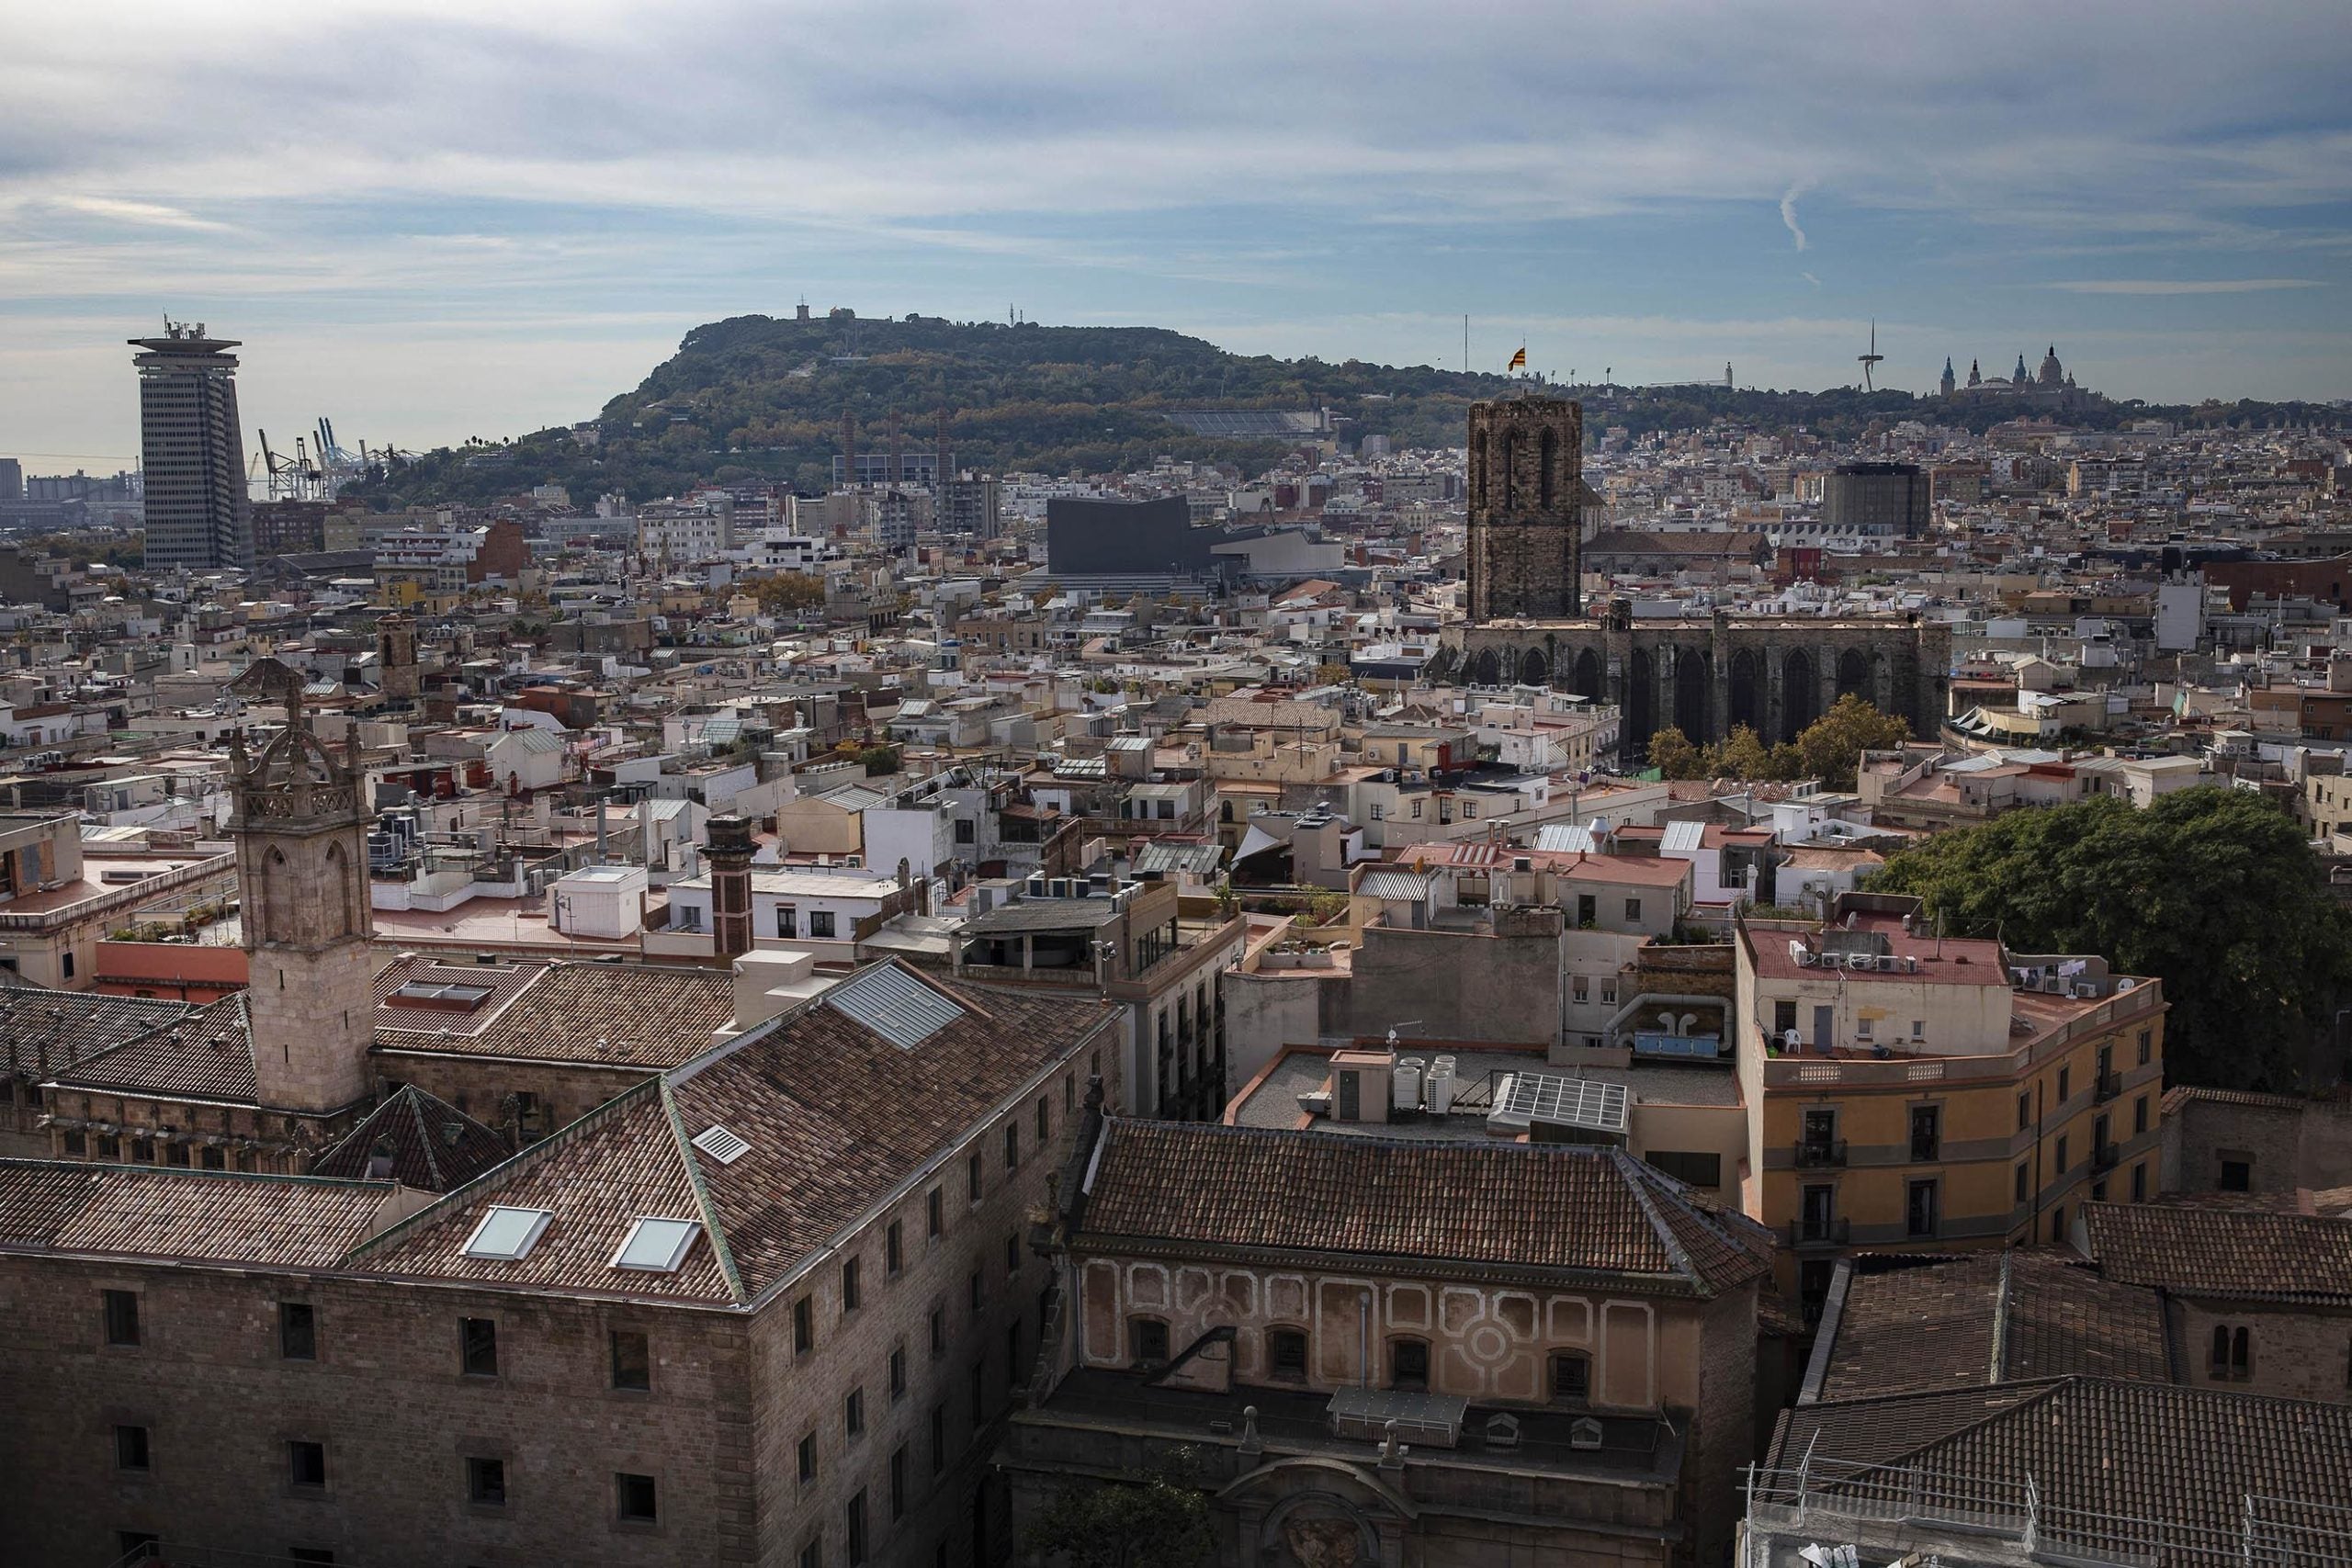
197, 513
12, 480
1526, 508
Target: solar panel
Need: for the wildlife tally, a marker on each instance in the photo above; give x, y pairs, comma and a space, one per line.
1683, 837
895, 1005
721, 1144
657, 1247
1559, 1100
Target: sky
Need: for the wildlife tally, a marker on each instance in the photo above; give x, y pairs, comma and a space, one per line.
430, 220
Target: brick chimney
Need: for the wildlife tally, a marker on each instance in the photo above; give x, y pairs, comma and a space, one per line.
729, 854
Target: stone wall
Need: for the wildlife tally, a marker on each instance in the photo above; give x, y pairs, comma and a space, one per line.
1773, 673
1526, 527
387, 1398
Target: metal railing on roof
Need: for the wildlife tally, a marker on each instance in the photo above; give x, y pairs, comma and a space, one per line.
1828, 1497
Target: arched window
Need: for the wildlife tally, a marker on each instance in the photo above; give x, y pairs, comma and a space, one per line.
1408, 1364
1550, 451
1571, 1377
1510, 471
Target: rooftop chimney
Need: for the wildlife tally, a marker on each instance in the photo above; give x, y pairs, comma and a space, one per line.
730, 885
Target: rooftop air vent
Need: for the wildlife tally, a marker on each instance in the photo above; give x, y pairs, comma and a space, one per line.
721, 1144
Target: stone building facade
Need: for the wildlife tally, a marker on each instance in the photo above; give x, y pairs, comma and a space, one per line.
1526, 496
1774, 674
1579, 1388
816, 1371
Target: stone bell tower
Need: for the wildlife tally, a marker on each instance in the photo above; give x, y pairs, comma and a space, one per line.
1526, 508
300, 826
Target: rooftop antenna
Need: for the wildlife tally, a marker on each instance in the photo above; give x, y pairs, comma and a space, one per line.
1407, 1023
1871, 360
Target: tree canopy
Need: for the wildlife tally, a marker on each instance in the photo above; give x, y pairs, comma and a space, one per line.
1155, 1522
1829, 749
2212, 890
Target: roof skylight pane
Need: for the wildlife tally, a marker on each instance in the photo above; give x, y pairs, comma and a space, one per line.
656, 1246
508, 1234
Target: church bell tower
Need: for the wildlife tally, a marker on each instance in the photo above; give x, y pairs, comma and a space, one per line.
301, 826
1526, 499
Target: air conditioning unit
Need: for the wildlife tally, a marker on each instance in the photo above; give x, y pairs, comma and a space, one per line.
2085, 991
2054, 986
1806, 957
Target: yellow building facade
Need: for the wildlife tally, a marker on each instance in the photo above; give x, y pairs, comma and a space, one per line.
1906, 1092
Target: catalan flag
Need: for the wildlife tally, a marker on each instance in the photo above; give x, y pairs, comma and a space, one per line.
1519, 360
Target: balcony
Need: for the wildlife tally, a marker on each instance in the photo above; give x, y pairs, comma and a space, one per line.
2108, 1087
1820, 1232
1821, 1154
2105, 1157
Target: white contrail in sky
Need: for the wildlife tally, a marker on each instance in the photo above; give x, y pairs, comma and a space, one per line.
1789, 214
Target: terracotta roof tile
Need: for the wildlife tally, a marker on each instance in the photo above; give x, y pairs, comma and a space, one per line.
207, 1055
621, 1015
2125, 1470
1911, 1325
144, 1211
433, 1145
2223, 1252
836, 1118
44, 1032
1510, 1205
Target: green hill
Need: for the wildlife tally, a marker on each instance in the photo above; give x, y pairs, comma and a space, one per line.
759, 398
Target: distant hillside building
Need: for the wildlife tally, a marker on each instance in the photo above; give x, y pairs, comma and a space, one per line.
198, 515
1883, 500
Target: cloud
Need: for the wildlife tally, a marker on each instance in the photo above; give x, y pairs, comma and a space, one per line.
140, 214
2179, 286
1810, 278
1789, 214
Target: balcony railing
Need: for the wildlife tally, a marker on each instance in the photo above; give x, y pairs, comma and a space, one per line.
1820, 1232
2106, 1156
1820, 1154
2109, 1084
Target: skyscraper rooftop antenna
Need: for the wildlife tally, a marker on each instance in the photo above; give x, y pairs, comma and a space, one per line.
1870, 361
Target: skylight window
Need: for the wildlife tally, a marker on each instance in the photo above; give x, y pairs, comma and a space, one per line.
658, 1247
508, 1234
721, 1144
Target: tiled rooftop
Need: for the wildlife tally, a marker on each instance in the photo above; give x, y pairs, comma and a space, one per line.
836, 1117
2224, 1252
1509, 1205
144, 1211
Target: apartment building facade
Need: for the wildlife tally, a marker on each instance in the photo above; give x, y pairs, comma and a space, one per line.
1906, 1089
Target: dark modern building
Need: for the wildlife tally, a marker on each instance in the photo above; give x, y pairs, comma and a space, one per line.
198, 515
1126, 538
1886, 498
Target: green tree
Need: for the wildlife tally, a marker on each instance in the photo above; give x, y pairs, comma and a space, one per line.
2213, 891
1745, 756
1148, 1522
1832, 745
1674, 757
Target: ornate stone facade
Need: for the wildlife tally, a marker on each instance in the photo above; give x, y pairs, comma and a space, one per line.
300, 826
1773, 673
1526, 496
